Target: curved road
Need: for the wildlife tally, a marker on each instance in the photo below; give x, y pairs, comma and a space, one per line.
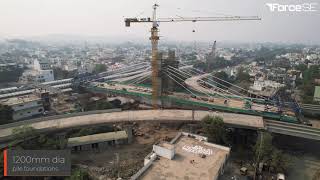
193, 84
239, 120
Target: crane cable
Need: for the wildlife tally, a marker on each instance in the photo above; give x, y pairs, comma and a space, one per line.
227, 82
140, 79
183, 80
179, 84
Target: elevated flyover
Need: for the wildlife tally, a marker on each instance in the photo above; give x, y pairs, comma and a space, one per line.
297, 130
311, 109
170, 116
257, 104
193, 83
56, 123
180, 100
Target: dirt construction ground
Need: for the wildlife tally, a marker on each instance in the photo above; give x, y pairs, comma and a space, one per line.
128, 159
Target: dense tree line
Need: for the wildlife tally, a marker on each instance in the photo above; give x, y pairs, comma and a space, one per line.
307, 84
100, 68
242, 79
215, 129
265, 152
10, 75
5, 114
99, 105
213, 64
63, 74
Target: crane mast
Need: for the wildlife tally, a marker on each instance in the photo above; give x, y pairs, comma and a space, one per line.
155, 63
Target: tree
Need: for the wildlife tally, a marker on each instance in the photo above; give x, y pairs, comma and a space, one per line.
10, 75
263, 147
5, 114
301, 67
279, 161
26, 137
100, 68
46, 142
265, 152
224, 76
201, 65
79, 174
215, 129
217, 63
24, 132
308, 84
63, 74
100, 105
242, 76
103, 105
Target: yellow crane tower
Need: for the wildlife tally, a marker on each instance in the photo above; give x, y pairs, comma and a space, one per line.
155, 38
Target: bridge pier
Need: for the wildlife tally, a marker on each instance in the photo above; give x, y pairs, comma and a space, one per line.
128, 128
167, 84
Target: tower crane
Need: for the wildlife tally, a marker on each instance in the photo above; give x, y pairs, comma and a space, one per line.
155, 38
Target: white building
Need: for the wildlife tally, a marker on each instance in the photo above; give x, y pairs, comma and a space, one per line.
260, 85
231, 71
70, 67
187, 156
41, 65
24, 106
40, 73
37, 76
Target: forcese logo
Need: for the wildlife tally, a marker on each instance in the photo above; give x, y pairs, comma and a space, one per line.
305, 7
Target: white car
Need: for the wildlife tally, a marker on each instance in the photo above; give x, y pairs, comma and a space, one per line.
280, 176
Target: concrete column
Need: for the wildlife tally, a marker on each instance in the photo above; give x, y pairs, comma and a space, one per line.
128, 129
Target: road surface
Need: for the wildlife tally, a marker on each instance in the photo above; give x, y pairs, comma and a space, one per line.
238, 120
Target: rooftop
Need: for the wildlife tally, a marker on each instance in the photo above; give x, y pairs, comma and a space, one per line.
97, 138
19, 100
166, 145
194, 159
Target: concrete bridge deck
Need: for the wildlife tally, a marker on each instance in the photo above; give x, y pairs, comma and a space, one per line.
235, 120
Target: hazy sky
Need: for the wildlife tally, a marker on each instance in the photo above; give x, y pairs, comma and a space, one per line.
25, 18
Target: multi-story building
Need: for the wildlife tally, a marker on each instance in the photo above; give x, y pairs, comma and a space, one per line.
24, 107
37, 76
40, 73
259, 85
266, 88
41, 65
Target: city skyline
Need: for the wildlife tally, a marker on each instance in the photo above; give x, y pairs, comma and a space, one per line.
34, 18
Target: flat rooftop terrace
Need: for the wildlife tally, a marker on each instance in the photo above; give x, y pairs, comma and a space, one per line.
19, 100
194, 159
